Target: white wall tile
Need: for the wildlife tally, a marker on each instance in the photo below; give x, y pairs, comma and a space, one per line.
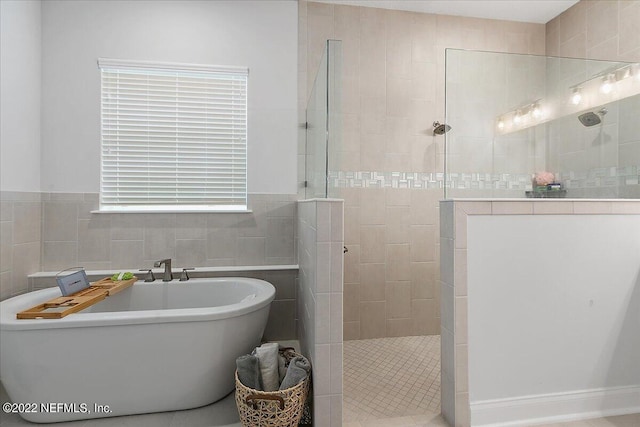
447, 313
550, 207
336, 368
447, 259
512, 208
336, 316
323, 267
323, 224
322, 410
323, 318
337, 266
461, 324
322, 369
336, 410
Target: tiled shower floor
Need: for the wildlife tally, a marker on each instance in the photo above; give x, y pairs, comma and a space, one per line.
391, 377
395, 382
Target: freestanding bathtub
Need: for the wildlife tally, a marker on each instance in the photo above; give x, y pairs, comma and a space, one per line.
150, 348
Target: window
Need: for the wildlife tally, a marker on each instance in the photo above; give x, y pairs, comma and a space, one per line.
174, 137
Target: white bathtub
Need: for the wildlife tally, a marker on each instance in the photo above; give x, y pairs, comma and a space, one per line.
153, 347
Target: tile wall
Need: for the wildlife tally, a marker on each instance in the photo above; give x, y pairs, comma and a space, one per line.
320, 281
20, 239
591, 162
72, 235
393, 89
599, 162
481, 86
54, 231
604, 30
593, 29
391, 266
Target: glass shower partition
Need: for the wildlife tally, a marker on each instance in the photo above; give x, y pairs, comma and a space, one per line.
324, 123
538, 126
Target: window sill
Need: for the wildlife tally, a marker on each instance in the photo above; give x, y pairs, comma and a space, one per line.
172, 211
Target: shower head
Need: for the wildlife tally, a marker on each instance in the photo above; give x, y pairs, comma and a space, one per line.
591, 119
440, 129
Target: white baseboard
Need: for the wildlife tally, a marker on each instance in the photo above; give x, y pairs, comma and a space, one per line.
556, 407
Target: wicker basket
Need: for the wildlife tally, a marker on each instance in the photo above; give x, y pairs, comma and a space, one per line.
282, 408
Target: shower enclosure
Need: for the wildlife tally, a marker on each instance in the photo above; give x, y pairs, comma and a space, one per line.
368, 151
324, 122
570, 122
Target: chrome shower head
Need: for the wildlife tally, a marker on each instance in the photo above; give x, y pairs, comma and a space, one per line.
440, 129
591, 119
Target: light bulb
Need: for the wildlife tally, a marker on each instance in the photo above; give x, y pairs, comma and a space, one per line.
537, 111
500, 124
517, 119
607, 85
576, 96
627, 72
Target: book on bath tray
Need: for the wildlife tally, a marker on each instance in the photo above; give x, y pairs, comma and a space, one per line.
72, 283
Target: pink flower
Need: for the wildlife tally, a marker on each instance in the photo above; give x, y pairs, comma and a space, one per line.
543, 178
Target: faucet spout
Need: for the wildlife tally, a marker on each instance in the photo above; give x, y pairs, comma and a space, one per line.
168, 276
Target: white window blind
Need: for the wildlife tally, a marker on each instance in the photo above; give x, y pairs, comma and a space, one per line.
174, 136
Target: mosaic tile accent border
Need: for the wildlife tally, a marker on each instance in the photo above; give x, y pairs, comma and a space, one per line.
601, 177
367, 179
593, 178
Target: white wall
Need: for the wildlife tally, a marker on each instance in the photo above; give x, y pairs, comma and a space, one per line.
554, 309
20, 53
259, 34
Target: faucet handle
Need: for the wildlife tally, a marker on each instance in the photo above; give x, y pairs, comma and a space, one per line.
184, 276
149, 277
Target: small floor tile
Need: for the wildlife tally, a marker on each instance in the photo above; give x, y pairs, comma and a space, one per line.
391, 378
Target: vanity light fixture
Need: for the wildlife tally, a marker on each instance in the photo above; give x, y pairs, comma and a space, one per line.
609, 85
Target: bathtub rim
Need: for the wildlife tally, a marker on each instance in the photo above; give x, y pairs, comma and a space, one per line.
8, 308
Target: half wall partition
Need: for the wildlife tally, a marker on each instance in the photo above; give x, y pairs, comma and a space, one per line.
320, 239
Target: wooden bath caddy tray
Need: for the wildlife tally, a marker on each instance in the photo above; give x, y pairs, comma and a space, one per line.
59, 307
113, 286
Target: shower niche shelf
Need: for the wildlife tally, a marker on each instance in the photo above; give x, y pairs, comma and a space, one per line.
59, 307
550, 194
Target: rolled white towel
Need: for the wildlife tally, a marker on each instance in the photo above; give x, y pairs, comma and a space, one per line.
267, 354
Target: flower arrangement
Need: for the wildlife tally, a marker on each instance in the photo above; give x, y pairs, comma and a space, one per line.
543, 178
